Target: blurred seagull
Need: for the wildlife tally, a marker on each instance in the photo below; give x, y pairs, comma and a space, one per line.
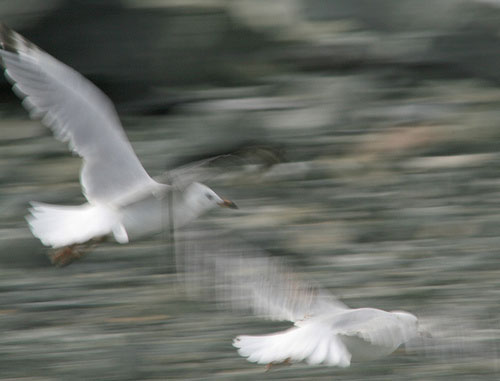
325, 330
333, 338
123, 200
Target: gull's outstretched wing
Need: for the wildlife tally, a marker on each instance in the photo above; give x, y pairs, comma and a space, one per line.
245, 160
247, 278
78, 113
201, 171
273, 292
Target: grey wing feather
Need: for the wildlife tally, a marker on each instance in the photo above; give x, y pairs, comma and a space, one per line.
78, 113
182, 177
247, 278
247, 160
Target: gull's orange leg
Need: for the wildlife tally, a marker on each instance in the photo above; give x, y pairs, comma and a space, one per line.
66, 255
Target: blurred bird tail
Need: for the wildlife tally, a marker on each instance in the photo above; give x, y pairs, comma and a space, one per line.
315, 346
58, 225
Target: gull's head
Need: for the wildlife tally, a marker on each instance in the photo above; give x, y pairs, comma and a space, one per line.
413, 324
406, 317
202, 198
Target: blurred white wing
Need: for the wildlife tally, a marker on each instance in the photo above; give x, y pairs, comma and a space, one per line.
248, 278
78, 113
273, 292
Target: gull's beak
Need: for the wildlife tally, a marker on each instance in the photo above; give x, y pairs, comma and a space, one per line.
228, 204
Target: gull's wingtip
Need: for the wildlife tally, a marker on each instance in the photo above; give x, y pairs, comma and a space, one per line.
6, 37
13, 42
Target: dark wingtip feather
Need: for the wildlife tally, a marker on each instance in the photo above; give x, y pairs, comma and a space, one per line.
7, 38
13, 42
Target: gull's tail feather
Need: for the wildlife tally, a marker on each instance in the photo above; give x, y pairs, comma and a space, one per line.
59, 226
273, 348
293, 345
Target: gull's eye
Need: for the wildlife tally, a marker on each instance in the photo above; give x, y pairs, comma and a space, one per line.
209, 196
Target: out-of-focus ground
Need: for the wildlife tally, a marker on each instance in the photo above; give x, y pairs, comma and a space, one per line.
387, 114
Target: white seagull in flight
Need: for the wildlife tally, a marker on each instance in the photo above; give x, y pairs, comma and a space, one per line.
123, 200
332, 337
325, 330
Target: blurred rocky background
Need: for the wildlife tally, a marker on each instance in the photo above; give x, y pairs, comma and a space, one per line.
371, 132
